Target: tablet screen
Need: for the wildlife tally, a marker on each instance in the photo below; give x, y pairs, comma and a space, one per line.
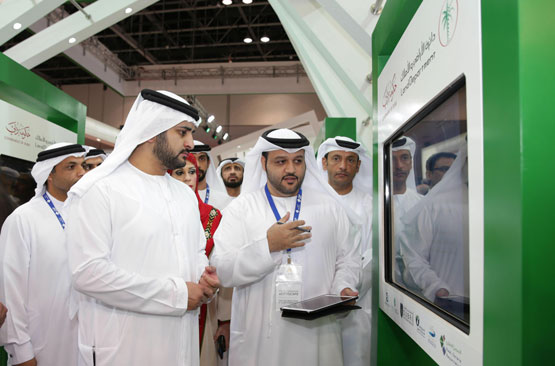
319, 303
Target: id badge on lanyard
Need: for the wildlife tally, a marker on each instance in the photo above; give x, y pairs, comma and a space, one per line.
289, 277
289, 284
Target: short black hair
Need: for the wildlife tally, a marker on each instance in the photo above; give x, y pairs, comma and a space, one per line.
265, 155
431, 162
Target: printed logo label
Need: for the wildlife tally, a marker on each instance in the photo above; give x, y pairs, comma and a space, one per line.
448, 19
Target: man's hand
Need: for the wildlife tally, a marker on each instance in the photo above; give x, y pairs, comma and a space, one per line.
349, 292
31, 362
442, 293
209, 281
196, 296
223, 329
284, 235
3, 313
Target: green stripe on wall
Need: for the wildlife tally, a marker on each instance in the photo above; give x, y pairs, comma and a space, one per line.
28, 91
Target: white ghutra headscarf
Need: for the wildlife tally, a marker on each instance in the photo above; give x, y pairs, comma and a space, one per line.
363, 179
49, 158
151, 114
406, 143
290, 141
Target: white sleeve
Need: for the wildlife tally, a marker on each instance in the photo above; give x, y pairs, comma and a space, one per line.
415, 244
366, 261
95, 275
238, 258
366, 248
348, 262
15, 261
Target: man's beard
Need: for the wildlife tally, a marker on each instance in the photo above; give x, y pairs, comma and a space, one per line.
202, 174
285, 190
235, 184
166, 156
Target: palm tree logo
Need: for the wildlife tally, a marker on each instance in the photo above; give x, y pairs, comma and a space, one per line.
448, 21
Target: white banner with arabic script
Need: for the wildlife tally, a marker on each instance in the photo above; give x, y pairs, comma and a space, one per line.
23, 135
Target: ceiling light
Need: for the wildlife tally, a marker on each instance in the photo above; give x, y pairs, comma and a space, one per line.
226, 2
210, 118
247, 1
97, 139
238, 146
226, 135
215, 136
72, 40
219, 129
247, 40
128, 10
265, 39
16, 26
207, 129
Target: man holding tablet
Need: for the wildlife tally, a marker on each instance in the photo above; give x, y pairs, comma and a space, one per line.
286, 238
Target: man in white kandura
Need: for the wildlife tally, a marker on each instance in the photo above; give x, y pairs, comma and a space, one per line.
211, 188
405, 197
256, 240
35, 282
435, 239
136, 244
348, 169
231, 171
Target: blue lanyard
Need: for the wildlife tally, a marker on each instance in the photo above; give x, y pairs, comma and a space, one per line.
207, 193
53, 208
275, 211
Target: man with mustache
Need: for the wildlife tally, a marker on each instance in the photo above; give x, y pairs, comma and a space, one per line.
348, 168
405, 197
286, 218
34, 281
210, 187
231, 171
136, 244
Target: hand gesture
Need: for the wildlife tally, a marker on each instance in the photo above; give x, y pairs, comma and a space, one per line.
223, 329
285, 235
349, 292
3, 313
196, 296
31, 362
210, 282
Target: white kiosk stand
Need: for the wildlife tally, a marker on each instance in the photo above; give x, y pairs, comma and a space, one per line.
430, 91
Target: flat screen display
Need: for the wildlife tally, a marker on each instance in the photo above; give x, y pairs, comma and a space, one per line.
426, 207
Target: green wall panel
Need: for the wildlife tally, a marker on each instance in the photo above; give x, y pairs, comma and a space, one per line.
537, 117
341, 126
502, 185
28, 91
519, 234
